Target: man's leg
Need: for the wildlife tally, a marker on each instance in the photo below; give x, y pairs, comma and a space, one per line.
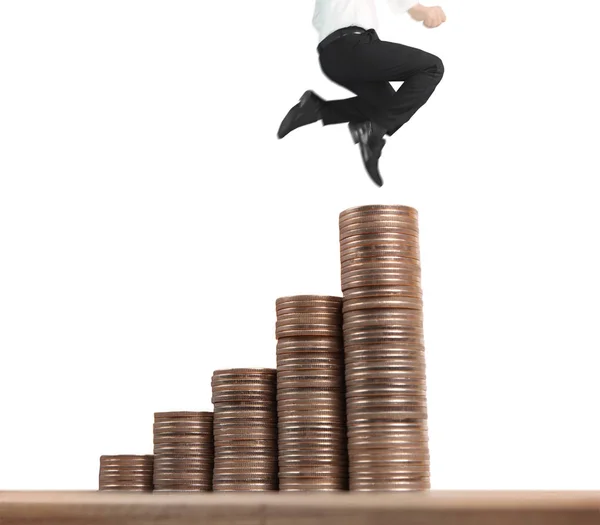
376, 63
356, 109
312, 108
421, 72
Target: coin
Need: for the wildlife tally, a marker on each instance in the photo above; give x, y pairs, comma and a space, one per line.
349, 259
355, 333
310, 487
357, 273
379, 211
260, 408
315, 330
382, 386
383, 317
235, 387
251, 400
351, 229
183, 467
182, 415
377, 216
396, 257
311, 320
375, 243
384, 291
244, 372
406, 267
186, 428
386, 247
383, 302
319, 458
367, 233
185, 487
349, 235
312, 300
285, 365
245, 451
378, 265
384, 347
374, 280
356, 276
328, 417
247, 486
311, 316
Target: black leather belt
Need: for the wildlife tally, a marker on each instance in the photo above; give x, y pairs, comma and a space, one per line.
353, 30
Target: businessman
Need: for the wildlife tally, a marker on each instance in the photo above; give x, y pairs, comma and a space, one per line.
352, 55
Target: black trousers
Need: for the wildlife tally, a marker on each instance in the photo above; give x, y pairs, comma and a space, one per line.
365, 65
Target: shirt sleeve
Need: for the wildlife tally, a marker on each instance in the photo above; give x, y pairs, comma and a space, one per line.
401, 6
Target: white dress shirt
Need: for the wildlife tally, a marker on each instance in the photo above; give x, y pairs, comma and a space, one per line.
331, 15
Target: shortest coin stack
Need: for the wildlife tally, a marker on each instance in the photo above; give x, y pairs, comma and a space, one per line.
126, 472
245, 429
183, 451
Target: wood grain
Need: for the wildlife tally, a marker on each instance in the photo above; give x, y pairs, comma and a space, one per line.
436, 507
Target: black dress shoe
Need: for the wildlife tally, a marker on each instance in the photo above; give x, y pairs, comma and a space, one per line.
307, 111
371, 141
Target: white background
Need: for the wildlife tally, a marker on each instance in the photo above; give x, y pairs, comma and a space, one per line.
149, 218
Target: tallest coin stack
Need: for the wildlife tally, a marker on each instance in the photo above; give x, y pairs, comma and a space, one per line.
384, 349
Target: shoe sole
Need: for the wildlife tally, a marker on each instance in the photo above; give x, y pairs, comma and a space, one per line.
375, 177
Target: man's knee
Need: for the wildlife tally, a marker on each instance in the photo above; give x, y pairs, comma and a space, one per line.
436, 67
439, 66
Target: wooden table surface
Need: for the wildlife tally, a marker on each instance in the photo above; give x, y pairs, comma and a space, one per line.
436, 507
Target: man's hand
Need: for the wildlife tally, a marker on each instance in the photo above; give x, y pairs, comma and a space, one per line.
430, 16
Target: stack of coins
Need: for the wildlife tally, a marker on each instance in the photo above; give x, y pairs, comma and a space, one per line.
384, 349
245, 429
310, 394
126, 472
183, 451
